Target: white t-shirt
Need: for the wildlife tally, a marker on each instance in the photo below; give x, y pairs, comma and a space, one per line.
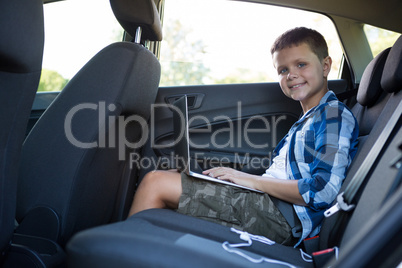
278, 167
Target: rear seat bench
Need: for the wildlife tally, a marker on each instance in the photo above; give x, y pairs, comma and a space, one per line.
165, 238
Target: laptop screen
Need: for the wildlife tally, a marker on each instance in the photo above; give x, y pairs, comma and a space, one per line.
181, 136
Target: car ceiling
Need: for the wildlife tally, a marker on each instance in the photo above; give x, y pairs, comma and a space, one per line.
384, 14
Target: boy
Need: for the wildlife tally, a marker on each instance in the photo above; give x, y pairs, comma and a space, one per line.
307, 171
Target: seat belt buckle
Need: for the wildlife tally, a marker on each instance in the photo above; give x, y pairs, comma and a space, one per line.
340, 205
332, 210
311, 244
321, 258
297, 231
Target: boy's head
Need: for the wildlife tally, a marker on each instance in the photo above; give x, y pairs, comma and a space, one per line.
301, 59
300, 35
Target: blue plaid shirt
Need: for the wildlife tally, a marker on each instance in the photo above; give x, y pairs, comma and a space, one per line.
322, 145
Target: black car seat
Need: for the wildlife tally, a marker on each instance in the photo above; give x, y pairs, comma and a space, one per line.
371, 98
375, 224
372, 111
164, 238
75, 161
21, 51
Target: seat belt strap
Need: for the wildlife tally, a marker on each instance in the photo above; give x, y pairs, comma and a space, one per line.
398, 180
289, 214
344, 199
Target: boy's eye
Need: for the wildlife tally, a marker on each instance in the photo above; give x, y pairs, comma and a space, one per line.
300, 65
282, 71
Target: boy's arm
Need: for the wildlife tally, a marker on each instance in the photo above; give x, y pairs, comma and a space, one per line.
286, 190
335, 136
333, 142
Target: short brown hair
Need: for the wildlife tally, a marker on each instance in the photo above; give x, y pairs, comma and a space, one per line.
299, 35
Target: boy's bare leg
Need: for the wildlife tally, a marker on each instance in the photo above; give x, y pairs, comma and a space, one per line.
158, 189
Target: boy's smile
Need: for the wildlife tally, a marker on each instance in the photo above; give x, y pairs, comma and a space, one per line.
302, 76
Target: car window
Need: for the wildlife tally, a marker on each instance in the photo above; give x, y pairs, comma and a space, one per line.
218, 41
379, 39
74, 32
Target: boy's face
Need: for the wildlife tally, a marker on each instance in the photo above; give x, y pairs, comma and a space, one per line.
302, 76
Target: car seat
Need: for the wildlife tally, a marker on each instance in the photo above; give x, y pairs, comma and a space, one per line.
375, 104
372, 232
164, 238
75, 171
21, 51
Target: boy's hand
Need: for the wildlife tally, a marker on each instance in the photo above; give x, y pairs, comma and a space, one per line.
232, 175
286, 190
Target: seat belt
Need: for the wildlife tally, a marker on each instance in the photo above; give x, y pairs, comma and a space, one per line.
290, 216
345, 199
397, 163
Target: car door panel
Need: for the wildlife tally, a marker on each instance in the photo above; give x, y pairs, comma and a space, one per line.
233, 125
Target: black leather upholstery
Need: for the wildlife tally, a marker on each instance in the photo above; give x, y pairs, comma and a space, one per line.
75, 158
372, 120
370, 87
21, 50
391, 80
371, 98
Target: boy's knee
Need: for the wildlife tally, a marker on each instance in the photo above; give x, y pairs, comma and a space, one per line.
151, 178
155, 178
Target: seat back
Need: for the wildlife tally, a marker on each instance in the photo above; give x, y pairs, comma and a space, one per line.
76, 158
21, 51
375, 106
371, 98
383, 172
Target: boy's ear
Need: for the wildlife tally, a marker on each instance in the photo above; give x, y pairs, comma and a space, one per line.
327, 63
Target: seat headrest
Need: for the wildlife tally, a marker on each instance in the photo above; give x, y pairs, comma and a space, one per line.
134, 13
391, 80
370, 84
22, 32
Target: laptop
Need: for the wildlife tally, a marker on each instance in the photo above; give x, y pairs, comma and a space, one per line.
182, 149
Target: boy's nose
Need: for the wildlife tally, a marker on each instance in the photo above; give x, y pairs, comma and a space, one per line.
292, 75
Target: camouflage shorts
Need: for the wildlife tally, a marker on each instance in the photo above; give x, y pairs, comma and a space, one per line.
234, 207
